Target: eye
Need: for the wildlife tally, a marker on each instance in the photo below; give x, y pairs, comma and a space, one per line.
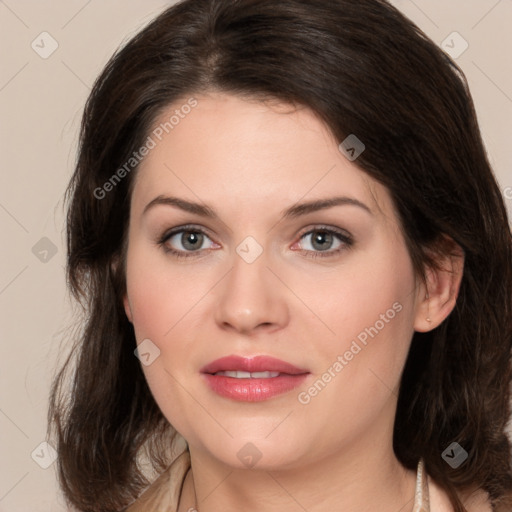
325, 242
183, 240
189, 241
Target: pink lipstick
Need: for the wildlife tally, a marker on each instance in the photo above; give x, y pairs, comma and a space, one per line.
252, 379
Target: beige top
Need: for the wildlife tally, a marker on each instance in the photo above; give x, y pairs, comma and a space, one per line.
164, 494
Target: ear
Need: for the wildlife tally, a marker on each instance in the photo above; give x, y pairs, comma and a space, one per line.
436, 297
127, 308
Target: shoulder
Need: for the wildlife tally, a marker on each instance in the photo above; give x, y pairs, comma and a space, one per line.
164, 493
474, 501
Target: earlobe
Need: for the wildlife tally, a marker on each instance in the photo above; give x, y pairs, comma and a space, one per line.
438, 295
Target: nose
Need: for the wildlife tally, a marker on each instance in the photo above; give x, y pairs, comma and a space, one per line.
251, 298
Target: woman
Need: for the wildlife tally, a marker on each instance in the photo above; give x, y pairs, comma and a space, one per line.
295, 263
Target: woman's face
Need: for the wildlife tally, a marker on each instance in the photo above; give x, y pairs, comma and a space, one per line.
330, 290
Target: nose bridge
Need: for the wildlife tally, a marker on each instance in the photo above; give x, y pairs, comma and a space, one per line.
251, 295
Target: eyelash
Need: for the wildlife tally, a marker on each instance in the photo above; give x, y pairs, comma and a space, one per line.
343, 237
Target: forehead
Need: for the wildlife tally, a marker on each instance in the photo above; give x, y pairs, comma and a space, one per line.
228, 149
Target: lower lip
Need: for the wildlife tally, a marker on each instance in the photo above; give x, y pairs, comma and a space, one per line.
253, 390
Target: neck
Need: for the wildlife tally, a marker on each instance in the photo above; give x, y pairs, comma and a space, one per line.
362, 478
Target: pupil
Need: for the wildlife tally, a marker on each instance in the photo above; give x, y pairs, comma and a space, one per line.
322, 239
189, 240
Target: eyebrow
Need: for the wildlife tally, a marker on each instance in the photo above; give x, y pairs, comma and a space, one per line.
294, 211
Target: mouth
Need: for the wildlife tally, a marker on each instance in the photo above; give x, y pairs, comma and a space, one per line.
252, 379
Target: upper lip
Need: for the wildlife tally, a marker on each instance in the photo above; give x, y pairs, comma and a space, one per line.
252, 364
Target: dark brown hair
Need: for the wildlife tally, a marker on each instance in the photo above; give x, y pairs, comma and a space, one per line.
364, 69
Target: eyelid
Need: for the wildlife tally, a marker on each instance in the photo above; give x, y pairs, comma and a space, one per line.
185, 227
324, 227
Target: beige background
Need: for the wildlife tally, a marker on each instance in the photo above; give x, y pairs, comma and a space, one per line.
40, 107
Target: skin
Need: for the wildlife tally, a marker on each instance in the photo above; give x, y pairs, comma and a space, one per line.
249, 161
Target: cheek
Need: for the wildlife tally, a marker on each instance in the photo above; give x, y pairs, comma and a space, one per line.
369, 292
372, 313
162, 307
159, 298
